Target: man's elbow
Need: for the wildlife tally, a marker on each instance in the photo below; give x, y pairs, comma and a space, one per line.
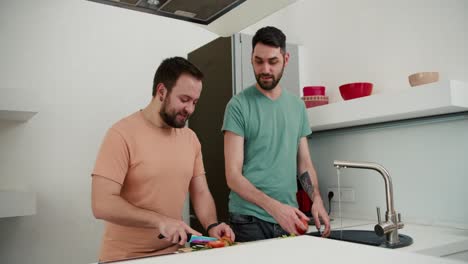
98, 208
230, 181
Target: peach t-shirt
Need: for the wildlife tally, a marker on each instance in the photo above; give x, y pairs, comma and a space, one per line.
154, 167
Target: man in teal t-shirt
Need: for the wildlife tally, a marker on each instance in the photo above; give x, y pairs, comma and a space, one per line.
265, 147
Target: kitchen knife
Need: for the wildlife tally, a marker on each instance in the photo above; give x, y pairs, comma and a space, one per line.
195, 239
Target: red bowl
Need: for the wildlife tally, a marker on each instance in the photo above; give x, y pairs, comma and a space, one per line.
313, 90
355, 90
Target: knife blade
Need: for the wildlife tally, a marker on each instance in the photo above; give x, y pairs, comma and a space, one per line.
195, 239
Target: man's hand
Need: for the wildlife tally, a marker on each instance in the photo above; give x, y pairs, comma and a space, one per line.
288, 217
222, 230
319, 212
176, 231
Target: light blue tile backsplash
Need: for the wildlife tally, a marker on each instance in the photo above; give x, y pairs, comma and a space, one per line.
427, 160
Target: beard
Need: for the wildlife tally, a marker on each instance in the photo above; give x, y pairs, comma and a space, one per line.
170, 117
269, 85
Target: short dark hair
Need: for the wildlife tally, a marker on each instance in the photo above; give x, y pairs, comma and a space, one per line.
170, 70
270, 36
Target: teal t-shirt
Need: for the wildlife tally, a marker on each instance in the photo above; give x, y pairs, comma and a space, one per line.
271, 130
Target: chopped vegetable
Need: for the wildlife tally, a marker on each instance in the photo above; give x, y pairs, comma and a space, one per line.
227, 240
224, 241
215, 244
300, 230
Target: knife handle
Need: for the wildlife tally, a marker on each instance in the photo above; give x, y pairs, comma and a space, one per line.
189, 235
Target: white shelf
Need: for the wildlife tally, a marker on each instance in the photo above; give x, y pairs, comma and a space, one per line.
18, 105
17, 203
14, 115
443, 97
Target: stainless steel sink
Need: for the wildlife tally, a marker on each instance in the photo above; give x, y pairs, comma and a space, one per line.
366, 237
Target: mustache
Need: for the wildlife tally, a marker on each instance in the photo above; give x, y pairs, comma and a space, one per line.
184, 113
265, 75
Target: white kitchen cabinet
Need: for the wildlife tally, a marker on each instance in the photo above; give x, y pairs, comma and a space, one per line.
434, 99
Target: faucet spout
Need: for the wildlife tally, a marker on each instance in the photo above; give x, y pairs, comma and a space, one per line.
377, 167
392, 224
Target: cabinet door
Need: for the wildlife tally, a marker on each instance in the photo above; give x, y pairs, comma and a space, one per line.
243, 74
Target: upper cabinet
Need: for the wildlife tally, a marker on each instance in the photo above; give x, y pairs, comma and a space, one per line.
439, 98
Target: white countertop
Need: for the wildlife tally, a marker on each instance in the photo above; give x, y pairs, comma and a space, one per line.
428, 240
302, 249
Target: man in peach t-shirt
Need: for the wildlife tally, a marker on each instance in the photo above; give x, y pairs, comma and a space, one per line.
147, 164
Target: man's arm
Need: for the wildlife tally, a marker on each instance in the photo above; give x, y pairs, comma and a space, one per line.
205, 208
287, 216
304, 163
107, 204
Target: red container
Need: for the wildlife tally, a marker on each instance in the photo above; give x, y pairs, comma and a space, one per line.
304, 202
355, 90
315, 100
313, 90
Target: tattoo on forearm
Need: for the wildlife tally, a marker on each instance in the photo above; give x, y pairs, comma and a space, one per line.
306, 183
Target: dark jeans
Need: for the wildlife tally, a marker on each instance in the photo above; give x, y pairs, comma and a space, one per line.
250, 228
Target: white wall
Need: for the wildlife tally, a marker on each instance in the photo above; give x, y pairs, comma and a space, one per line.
84, 66
377, 41
383, 42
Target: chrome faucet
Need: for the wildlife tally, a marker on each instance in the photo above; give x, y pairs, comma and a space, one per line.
392, 223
